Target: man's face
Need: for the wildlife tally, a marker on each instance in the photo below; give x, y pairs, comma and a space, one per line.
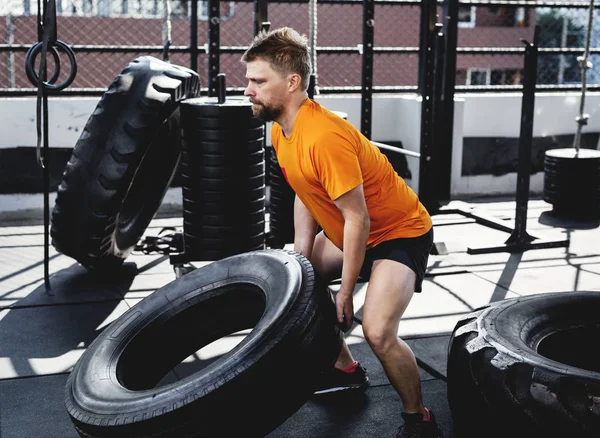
266, 89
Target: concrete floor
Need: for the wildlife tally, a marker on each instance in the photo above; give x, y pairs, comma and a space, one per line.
42, 335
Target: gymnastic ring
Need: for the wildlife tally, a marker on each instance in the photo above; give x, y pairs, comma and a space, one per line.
30, 65
49, 85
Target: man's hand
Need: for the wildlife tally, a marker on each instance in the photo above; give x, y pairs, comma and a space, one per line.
345, 309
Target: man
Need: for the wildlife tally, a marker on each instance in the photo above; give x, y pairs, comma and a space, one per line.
373, 223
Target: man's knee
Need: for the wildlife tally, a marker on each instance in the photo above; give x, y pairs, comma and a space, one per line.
381, 337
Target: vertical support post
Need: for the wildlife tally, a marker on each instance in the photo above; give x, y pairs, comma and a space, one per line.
260, 15
429, 164
444, 152
367, 67
428, 18
194, 37
214, 44
311, 86
427, 85
519, 235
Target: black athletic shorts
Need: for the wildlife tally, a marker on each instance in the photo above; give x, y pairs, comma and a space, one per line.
412, 252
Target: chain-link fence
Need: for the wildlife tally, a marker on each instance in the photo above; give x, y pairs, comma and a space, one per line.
107, 34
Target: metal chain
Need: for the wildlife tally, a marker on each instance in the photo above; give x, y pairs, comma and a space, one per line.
166, 33
585, 65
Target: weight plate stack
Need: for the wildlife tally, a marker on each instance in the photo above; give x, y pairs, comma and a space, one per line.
223, 178
572, 182
281, 222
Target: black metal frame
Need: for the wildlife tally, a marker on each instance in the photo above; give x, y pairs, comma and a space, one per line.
366, 101
519, 239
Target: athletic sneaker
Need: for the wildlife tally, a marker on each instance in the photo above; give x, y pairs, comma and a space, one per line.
352, 378
415, 427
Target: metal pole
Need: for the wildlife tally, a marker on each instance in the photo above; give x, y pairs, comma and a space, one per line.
519, 235
214, 44
585, 65
443, 153
428, 18
260, 15
367, 67
194, 36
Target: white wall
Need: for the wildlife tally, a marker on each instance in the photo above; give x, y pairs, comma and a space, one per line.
395, 117
499, 115
66, 119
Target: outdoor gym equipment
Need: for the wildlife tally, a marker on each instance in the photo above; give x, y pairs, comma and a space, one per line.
47, 43
572, 176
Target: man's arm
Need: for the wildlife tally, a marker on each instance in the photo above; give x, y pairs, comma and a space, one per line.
305, 229
357, 225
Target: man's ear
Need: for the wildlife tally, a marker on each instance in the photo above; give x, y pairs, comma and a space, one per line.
295, 82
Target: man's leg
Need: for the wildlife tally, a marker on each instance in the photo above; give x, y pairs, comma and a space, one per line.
327, 261
389, 292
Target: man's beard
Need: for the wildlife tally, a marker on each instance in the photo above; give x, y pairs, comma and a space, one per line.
268, 114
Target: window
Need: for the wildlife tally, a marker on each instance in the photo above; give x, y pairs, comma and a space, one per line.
478, 76
488, 76
466, 16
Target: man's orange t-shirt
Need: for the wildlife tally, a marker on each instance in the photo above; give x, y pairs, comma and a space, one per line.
326, 156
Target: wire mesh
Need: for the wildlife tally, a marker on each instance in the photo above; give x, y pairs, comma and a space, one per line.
107, 34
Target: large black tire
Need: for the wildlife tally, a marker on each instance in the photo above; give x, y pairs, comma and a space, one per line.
248, 391
122, 164
527, 368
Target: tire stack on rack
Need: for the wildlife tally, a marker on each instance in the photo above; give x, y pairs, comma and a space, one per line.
572, 182
223, 171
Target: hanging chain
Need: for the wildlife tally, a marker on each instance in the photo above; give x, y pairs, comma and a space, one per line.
584, 65
166, 33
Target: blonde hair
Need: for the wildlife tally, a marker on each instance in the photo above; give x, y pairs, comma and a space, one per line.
285, 50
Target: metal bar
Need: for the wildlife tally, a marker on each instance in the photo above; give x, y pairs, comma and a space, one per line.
90, 48
520, 51
444, 151
428, 19
431, 168
193, 37
85, 48
427, 86
234, 91
526, 4
519, 88
535, 244
367, 67
395, 149
214, 43
261, 15
519, 234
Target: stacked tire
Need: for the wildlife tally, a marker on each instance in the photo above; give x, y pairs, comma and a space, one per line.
572, 182
223, 174
122, 164
281, 220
